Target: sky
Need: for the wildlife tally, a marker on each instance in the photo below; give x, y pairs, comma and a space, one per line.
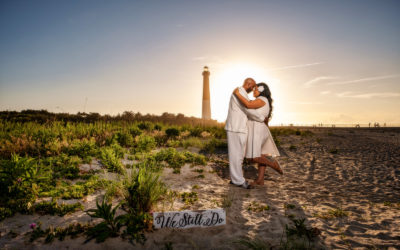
335, 62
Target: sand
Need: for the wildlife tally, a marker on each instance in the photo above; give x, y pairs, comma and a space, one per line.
361, 179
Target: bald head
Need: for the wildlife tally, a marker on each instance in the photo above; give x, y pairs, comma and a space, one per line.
249, 84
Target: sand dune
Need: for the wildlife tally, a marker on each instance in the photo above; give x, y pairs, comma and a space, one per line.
345, 182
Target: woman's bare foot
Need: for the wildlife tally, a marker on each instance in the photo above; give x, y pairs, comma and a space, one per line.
277, 168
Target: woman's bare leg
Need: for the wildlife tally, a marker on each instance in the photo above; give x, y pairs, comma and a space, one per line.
266, 160
260, 177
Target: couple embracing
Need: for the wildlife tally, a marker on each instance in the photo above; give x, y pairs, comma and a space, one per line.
248, 133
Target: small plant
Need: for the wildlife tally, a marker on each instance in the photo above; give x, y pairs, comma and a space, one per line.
142, 190
332, 213
168, 246
73, 230
291, 216
227, 201
299, 236
334, 151
300, 229
189, 198
110, 225
292, 147
37, 231
256, 207
5, 212
254, 244
289, 206
200, 176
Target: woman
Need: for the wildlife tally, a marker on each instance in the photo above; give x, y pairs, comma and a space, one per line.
260, 144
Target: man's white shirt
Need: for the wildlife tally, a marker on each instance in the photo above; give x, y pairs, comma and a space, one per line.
238, 114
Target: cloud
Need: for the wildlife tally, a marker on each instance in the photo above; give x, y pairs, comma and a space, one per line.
211, 61
325, 92
306, 103
374, 78
317, 80
296, 66
350, 94
199, 58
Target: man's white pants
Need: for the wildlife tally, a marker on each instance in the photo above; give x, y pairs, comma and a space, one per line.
236, 151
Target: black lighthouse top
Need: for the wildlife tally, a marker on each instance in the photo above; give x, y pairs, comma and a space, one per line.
205, 71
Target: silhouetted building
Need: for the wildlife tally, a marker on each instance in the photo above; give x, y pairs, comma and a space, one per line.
206, 112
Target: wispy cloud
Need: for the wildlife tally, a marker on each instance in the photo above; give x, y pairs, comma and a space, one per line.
350, 94
374, 78
199, 58
211, 61
296, 66
306, 103
325, 92
317, 80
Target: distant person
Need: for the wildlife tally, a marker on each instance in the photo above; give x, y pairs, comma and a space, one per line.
236, 130
261, 147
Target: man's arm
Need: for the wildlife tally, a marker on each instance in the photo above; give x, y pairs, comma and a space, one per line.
252, 114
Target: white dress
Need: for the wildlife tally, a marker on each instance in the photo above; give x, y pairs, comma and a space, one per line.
259, 138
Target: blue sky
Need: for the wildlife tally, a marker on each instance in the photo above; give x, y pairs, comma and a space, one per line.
325, 61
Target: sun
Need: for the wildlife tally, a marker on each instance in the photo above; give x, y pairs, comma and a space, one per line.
227, 78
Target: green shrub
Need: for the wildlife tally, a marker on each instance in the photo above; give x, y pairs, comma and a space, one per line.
82, 148
145, 143
146, 126
143, 190
158, 127
172, 132
135, 131
125, 139
110, 160
191, 142
196, 131
76, 191
19, 178
53, 208
212, 145
64, 166
5, 212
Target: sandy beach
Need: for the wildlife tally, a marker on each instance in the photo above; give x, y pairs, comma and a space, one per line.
343, 181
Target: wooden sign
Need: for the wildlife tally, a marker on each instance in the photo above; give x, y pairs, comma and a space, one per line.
188, 218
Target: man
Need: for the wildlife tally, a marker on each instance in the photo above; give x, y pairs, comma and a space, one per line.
236, 129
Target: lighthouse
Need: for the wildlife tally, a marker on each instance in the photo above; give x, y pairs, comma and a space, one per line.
206, 112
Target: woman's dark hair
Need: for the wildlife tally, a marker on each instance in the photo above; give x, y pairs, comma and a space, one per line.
267, 93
